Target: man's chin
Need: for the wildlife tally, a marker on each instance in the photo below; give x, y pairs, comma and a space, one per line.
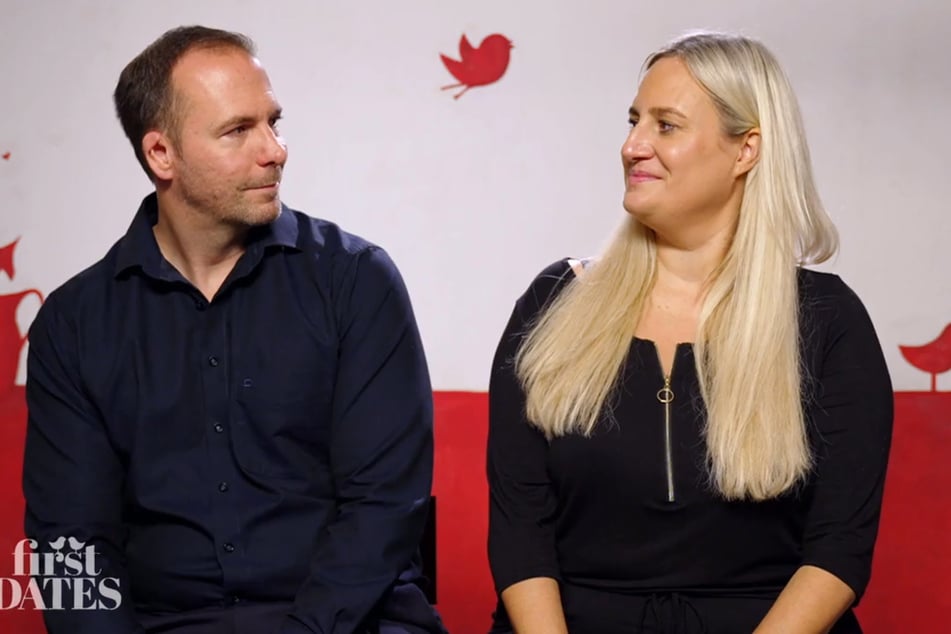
265, 214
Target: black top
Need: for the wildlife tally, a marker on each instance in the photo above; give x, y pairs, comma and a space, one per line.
596, 513
272, 446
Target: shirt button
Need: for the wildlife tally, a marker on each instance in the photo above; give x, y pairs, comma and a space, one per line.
213, 362
201, 304
223, 486
229, 547
236, 599
219, 427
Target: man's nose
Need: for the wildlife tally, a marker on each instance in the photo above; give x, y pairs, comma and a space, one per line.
274, 150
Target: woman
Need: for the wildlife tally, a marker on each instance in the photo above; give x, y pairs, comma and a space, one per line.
690, 432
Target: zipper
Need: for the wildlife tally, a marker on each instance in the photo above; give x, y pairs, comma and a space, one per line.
666, 396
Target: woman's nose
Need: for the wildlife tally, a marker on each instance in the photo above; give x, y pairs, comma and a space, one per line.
636, 145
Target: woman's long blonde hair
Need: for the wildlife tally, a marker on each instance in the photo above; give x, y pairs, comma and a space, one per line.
747, 345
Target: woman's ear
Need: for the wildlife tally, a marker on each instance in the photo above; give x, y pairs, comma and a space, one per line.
749, 152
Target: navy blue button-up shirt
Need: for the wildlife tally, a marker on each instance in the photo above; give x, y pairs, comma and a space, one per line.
272, 447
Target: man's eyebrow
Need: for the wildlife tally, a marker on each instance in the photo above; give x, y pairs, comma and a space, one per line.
239, 120
235, 122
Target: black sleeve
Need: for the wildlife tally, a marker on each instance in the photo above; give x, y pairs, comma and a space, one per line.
73, 482
521, 501
852, 427
381, 452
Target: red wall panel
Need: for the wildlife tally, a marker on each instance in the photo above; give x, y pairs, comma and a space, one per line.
911, 573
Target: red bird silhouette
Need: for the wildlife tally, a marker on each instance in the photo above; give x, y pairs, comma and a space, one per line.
934, 357
479, 66
6, 258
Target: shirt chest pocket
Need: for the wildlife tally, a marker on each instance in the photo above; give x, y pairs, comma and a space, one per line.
281, 416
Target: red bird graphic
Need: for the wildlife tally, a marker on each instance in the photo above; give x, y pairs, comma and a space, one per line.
934, 357
6, 258
6, 156
479, 66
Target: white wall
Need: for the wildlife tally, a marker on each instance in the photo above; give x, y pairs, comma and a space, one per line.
473, 197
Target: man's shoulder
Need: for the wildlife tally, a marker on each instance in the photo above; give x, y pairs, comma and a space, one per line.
320, 235
342, 258
91, 282
83, 298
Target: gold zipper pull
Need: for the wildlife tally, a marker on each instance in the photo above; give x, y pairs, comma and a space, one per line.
666, 396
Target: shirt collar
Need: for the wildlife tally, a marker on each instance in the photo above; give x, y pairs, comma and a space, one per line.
138, 247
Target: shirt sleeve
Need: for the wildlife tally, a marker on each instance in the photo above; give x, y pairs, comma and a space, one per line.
853, 425
522, 503
72, 483
381, 452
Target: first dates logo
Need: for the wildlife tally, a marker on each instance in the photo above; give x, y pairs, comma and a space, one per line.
64, 577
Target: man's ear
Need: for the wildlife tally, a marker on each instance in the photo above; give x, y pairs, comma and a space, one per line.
159, 153
749, 152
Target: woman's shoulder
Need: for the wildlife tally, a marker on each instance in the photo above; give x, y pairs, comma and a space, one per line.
825, 290
829, 305
554, 271
818, 283
549, 283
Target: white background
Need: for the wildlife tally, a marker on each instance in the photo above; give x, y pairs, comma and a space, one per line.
473, 197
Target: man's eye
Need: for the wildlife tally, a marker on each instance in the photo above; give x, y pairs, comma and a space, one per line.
273, 122
239, 130
632, 122
665, 126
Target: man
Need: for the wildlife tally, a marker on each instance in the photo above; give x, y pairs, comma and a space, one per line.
233, 405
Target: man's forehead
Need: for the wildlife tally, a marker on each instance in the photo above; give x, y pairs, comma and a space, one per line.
219, 85
211, 66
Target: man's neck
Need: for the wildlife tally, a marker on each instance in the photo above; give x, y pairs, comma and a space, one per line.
202, 249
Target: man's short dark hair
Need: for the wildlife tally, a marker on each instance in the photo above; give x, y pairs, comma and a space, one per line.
144, 97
